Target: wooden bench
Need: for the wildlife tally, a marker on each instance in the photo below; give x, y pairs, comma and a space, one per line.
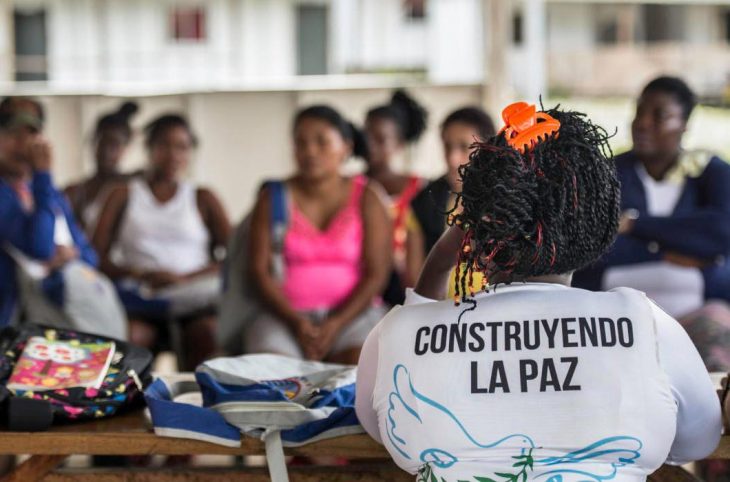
129, 434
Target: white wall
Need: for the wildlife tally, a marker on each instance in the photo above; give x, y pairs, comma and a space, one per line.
244, 136
74, 47
385, 38
455, 41
703, 24
268, 38
139, 47
570, 26
106, 45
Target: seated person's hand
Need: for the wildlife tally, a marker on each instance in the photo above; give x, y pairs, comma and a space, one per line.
307, 334
328, 332
626, 221
63, 255
39, 154
160, 279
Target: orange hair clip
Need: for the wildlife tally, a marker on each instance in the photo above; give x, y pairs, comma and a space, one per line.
524, 126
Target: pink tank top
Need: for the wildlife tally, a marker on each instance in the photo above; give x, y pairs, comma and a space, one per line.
323, 267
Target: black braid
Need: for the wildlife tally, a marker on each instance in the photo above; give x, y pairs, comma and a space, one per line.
551, 210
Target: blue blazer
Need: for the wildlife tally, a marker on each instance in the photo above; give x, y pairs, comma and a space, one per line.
33, 234
699, 227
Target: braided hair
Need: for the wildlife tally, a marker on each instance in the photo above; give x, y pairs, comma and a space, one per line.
550, 210
472, 116
407, 114
119, 119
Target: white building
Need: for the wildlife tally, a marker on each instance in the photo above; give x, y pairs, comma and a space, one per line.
584, 47
223, 44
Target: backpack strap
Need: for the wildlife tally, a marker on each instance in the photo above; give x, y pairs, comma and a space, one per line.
275, 456
279, 220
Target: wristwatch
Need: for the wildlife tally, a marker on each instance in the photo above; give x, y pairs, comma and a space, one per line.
632, 214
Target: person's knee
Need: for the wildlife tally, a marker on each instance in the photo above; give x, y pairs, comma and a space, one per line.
202, 328
142, 333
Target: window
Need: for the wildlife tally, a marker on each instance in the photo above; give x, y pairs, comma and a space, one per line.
30, 45
607, 32
311, 39
415, 9
664, 23
187, 24
517, 26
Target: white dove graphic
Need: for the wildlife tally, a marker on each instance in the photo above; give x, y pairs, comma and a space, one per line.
408, 408
402, 415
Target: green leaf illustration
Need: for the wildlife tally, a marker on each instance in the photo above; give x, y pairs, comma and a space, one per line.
504, 475
483, 479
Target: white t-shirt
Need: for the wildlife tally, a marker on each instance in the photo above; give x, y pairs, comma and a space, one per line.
539, 381
169, 236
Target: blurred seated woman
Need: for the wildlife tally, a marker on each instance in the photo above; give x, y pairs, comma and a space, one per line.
336, 250
532, 379
389, 129
166, 231
674, 237
112, 136
459, 131
36, 223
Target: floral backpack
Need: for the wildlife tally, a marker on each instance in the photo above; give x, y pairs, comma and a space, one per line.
122, 378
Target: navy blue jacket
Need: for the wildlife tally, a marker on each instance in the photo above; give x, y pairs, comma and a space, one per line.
33, 233
698, 227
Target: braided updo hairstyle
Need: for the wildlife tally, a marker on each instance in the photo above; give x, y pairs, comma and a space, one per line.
550, 210
409, 116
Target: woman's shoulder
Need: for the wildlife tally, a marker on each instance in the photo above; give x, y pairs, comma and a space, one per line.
715, 165
73, 189
118, 192
371, 191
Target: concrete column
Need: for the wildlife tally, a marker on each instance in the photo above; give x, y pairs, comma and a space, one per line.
536, 47
7, 42
496, 19
626, 24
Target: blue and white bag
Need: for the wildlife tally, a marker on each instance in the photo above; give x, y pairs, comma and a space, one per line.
281, 400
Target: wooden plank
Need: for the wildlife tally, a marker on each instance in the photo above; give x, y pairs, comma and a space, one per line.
129, 434
723, 450
34, 469
672, 473
351, 446
349, 473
